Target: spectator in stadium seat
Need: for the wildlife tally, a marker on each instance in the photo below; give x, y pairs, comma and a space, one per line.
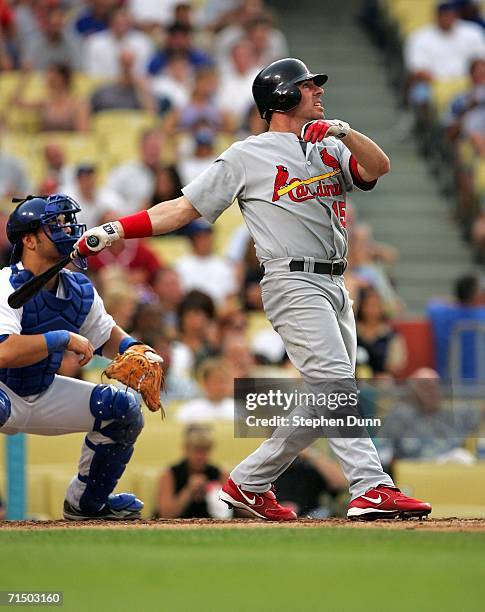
147, 321
168, 186
168, 289
178, 42
94, 201
119, 297
384, 347
202, 110
128, 92
444, 316
466, 114
420, 427
237, 76
269, 43
8, 49
251, 124
176, 388
368, 261
60, 110
235, 352
174, 83
53, 43
14, 180
102, 50
135, 257
441, 51
216, 403
148, 14
95, 17
55, 165
190, 166
311, 483
198, 334
189, 488
134, 180
203, 270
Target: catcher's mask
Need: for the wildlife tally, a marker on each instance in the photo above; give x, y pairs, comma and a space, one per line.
275, 88
55, 214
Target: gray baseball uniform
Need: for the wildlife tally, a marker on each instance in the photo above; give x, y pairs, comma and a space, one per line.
292, 196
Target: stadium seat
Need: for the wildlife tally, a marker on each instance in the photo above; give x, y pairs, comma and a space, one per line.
170, 248
419, 343
445, 91
454, 489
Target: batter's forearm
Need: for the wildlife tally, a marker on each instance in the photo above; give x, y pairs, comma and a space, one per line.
164, 218
170, 216
370, 157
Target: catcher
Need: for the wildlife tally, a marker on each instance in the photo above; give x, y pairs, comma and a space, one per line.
68, 314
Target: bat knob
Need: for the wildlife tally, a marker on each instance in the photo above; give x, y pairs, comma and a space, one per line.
92, 241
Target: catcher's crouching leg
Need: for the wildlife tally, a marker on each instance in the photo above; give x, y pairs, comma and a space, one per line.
105, 454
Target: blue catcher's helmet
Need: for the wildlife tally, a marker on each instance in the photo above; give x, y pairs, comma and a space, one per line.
55, 214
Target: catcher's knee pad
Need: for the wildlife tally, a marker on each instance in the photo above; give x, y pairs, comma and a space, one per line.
109, 403
5, 407
108, 463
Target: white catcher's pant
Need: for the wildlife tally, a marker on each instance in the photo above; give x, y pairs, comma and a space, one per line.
313, 315
62, 409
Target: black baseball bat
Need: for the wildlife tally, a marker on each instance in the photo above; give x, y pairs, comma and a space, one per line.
27, 291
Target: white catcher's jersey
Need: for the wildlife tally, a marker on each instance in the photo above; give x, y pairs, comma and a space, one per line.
96, 327
292, 194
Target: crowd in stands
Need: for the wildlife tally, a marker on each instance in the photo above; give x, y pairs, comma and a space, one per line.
119, 104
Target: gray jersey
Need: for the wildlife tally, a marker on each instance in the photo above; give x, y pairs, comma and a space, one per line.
292, 194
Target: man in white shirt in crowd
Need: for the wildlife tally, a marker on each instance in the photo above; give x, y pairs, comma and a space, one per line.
203, 270
102, 50
237, 76
441, 51
134, 181
190, 166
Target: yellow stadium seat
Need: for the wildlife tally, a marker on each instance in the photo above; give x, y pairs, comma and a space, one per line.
170, 248
410, 14
78, 147
453, 489
479, 177
445, 91
257, 322
84, 84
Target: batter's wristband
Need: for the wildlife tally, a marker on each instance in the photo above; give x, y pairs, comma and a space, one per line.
126, 343
138, 225
57, 340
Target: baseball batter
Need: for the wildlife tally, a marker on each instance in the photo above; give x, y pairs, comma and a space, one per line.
291, 184
67, 314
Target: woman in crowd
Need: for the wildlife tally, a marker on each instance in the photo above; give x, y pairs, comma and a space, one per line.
189, 488
60, 110
384, 347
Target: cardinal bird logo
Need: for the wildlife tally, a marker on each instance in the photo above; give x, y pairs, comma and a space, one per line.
329, 160
280, 181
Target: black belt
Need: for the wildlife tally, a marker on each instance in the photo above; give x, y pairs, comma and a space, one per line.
334, 268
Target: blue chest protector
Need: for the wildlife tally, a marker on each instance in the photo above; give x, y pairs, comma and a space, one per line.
47, 312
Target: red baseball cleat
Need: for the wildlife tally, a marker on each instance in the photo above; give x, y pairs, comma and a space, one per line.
386, 502
262, 505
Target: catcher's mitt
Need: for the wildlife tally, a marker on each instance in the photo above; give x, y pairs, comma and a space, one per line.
140, 368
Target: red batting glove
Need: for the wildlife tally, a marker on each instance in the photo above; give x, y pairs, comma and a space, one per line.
316, 131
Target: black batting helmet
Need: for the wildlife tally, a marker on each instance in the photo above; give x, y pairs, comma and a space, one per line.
275, 87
